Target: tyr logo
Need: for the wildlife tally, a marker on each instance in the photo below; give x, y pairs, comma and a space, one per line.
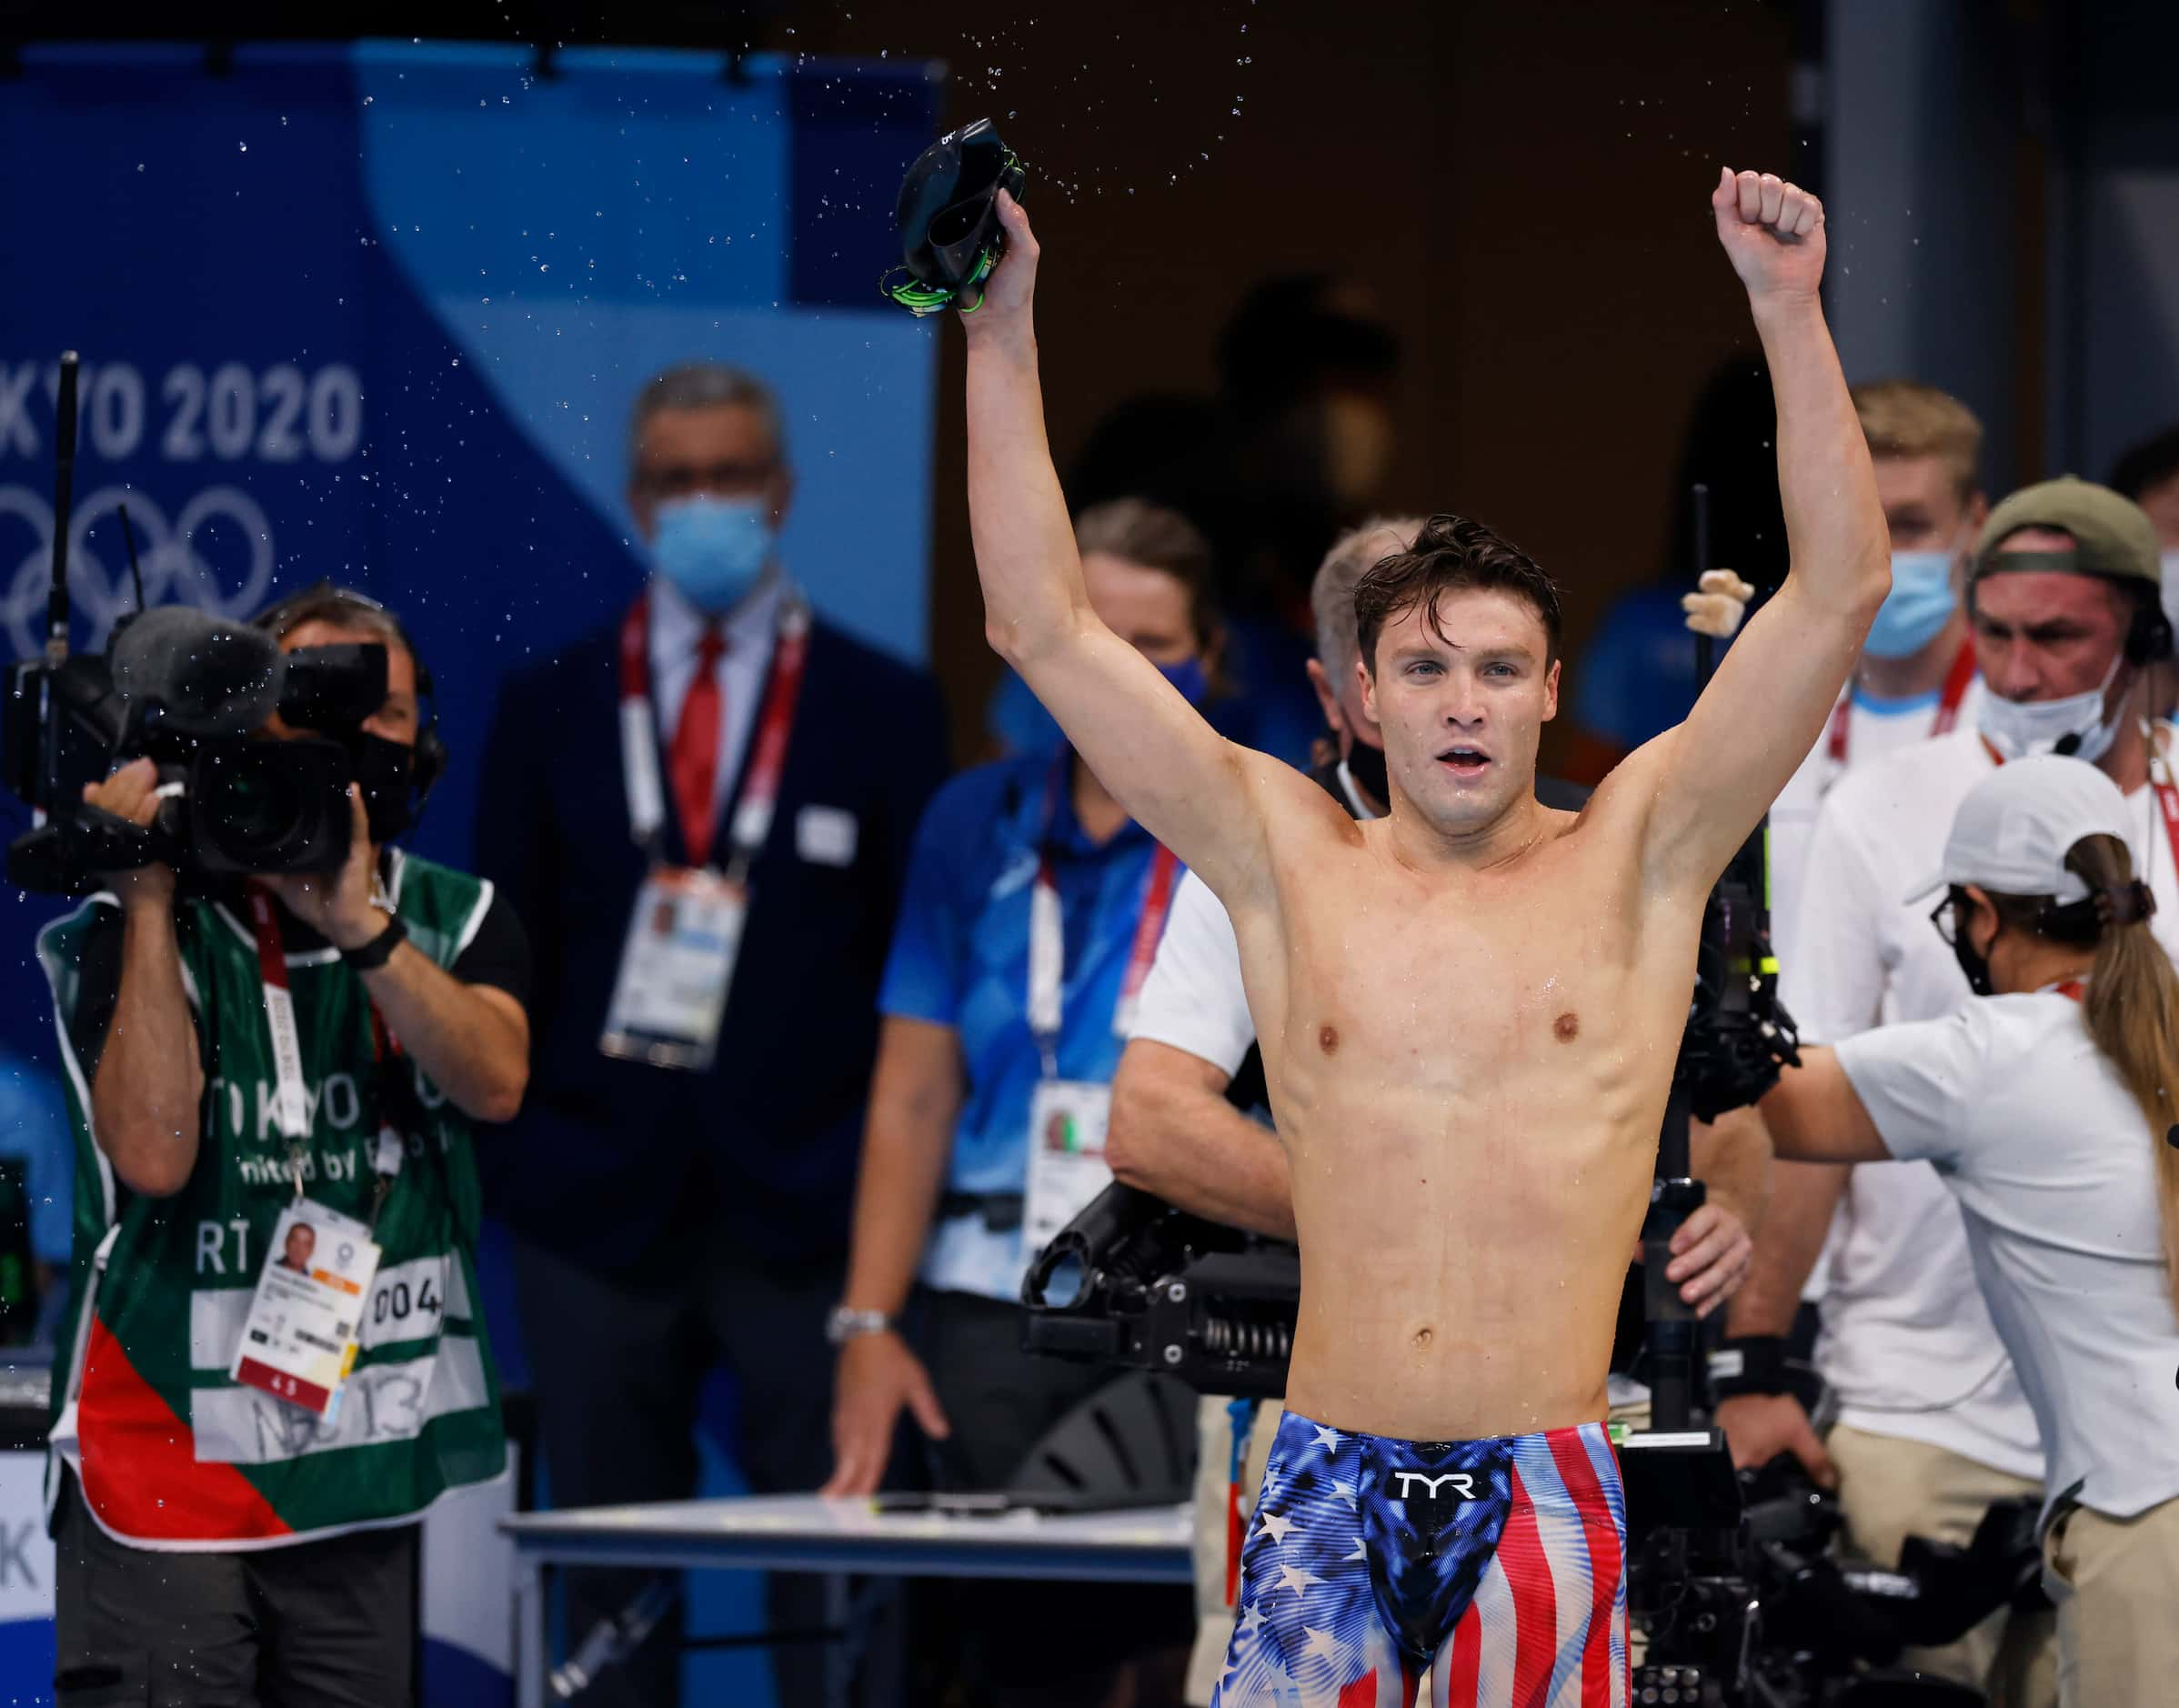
1462, 1483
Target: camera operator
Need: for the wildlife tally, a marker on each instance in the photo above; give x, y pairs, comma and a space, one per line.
2064, 604
297, 1052
1177, 1132
2045, 1109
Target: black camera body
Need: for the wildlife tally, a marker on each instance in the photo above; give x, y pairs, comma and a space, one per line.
192, 693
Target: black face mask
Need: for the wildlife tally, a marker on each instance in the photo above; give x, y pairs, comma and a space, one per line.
1975, 966
386, 770
1366, 764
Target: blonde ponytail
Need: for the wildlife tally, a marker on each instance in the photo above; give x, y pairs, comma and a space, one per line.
2132, 1008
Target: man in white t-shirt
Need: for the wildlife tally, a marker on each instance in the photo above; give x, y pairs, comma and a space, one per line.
1176, 1132
1916, 676
2070, 634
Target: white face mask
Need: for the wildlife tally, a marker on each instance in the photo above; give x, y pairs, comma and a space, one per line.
2019, 728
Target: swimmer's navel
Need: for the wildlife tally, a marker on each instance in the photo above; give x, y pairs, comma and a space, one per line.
1566, 1027
1328, 1040
1423, 1338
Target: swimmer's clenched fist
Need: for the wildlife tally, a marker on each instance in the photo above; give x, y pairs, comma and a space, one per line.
1773, 232
1469, 1009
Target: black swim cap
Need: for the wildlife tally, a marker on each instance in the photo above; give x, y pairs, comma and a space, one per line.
950, 238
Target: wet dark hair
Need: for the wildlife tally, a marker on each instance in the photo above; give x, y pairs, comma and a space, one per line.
1450, 553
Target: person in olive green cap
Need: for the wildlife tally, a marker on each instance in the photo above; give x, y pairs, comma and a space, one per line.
1932, 1425
2036, 552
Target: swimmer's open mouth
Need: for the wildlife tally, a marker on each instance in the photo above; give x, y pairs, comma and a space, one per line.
1464, 762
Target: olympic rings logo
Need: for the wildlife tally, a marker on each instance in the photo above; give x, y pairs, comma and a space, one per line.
174, 569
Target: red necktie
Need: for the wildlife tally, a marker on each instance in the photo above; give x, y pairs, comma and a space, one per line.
693, 762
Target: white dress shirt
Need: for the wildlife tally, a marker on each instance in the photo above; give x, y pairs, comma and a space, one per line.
676, 629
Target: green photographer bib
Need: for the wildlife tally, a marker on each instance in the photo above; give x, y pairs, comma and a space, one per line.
169, 1449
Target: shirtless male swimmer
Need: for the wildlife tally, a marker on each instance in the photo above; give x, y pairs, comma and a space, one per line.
1469, 1012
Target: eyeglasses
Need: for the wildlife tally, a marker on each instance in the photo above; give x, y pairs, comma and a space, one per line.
1945, 918
679, 480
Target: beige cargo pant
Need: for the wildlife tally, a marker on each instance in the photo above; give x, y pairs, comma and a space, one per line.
1890, 1489
2116, 1583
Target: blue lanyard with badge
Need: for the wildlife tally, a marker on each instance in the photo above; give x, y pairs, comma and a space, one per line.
300, 1339
676, 962
1067, 1118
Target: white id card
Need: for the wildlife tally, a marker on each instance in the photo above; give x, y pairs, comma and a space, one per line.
674, 969
1067, 1169
299, 1343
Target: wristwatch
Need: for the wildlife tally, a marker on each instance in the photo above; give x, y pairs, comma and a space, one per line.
845, 1324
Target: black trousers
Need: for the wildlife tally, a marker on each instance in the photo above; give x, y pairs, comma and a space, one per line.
317, 1624
1052, 1640
618, 1372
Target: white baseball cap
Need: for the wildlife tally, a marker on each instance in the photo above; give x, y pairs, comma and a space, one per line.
2012, 833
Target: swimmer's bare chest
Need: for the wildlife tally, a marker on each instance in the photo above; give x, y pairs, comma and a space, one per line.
1468, 1072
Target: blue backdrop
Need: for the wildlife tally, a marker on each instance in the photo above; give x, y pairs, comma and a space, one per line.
379, 311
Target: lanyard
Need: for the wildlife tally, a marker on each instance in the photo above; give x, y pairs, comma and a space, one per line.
1048, 938
291, 1105
1948, 703
753, 812
2160, 780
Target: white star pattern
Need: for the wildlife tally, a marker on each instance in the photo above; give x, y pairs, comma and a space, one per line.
1327, 1438
1251, 1621
1295, 1579
1322, 1646
1360, 1553
1276, 1524
1345, 1491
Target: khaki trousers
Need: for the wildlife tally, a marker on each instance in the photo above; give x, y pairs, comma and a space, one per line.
1214, 1463
1890, 1489
2116, 1583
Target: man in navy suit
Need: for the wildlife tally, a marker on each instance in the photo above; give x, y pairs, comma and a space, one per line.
677, 1201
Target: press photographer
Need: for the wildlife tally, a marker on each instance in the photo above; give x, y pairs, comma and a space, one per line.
272, 1364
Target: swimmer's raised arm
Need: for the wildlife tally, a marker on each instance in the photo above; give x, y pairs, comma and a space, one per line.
1716, 774
1190, 787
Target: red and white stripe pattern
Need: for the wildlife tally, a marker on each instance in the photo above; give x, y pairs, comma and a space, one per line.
1329, 1615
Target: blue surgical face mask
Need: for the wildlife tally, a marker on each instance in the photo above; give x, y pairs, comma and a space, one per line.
1190, 678
713, 549
1920, 603
1015, 720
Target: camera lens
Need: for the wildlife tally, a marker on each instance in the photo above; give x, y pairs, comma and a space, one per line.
258, 805
269, 805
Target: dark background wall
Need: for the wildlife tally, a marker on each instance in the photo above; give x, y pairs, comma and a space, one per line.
1523, 188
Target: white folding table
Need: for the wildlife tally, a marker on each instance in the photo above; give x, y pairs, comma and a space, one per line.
837, 1539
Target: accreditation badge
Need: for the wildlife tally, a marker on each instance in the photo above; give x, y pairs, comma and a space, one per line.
299, 1343
674, 967
1067, 1169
